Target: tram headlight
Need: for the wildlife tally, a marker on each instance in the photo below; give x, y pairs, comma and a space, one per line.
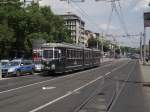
53, 66
47, 62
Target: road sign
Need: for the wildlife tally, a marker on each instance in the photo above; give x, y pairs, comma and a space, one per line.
147, 19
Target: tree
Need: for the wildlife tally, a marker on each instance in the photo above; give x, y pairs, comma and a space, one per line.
92, 42
23, 25
6, 40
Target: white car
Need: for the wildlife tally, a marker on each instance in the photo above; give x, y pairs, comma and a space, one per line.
4, 62
38, 67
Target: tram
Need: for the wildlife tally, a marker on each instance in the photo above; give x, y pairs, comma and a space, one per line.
62, 57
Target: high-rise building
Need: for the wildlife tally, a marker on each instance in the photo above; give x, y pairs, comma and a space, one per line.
76, 26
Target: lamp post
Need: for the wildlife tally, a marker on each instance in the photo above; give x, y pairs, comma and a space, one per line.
102, 46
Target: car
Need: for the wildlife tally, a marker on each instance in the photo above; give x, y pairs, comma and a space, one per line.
18, 67
38, 66
4, 62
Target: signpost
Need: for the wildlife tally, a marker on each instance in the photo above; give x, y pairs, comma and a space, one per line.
0, 70
146, 24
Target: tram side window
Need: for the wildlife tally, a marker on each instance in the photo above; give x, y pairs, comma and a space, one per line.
56, 53
72, 54
86, 54
48, 53
81, 54
69, 53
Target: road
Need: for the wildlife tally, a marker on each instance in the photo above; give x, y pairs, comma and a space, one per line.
71, 92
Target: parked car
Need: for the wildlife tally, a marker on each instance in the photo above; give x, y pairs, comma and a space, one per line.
38, 66
4, 62
18, 67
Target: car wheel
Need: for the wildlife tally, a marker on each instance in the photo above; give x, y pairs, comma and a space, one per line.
32, 72
18, 73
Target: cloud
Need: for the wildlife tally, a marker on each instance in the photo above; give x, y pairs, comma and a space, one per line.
97, 13
104, 26
141, 5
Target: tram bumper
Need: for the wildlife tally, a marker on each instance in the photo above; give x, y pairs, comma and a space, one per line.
50, 67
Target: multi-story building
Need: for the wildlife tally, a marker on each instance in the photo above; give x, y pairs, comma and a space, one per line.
76, 26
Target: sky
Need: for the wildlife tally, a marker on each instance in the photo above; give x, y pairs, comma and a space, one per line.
96, 16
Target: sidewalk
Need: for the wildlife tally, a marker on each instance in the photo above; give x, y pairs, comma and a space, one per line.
145, 75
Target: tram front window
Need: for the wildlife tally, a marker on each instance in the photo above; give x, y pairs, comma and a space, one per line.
48, 53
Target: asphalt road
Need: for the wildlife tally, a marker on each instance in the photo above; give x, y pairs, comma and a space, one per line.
131, 97
60, 94
120, 92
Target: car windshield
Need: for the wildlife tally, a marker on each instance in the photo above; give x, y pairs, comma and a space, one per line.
4, 63
14, 63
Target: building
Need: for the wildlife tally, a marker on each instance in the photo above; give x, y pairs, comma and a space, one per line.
76, 26
88, 34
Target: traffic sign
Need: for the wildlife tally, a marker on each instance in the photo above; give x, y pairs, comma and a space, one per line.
147, 19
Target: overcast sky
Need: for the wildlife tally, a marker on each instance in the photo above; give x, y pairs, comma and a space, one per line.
96, 14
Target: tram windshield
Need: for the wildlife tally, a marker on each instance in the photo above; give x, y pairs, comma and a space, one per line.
51, 54
48, 53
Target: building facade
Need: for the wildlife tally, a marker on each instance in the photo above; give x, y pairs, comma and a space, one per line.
76, 27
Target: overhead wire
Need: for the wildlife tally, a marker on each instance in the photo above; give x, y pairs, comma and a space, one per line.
114, 8
82, 12
109, 20
121, 19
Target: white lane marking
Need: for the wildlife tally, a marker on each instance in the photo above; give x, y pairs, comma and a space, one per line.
62, 97
52, 79
121, 89
48, 88
74, 91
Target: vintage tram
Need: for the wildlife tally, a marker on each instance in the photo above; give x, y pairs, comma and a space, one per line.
62, 57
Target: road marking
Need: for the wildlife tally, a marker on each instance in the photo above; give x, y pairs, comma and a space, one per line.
74, 74
64, 96
48, 88
74, 91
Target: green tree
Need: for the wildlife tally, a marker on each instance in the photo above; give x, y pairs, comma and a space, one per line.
6, 40
92, 42
24, 25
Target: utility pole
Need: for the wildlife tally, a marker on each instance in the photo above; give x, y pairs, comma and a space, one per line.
141, 48
144, 45
149, 48
102, 46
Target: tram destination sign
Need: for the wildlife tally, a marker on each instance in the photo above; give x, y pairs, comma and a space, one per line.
147, 19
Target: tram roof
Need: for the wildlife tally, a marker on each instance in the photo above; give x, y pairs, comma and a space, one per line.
66, 45
61, 45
